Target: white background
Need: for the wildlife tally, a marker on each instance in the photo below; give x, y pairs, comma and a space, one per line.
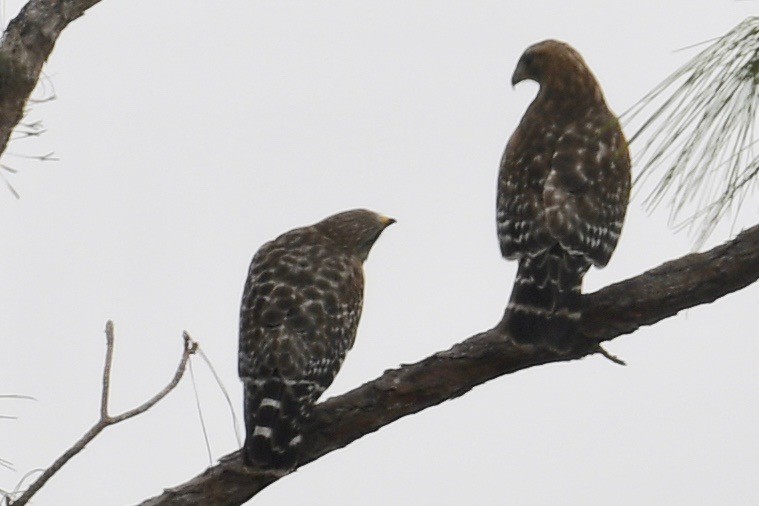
191, 132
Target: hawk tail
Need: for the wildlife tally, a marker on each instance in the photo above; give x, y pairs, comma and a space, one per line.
544, 308
273, 418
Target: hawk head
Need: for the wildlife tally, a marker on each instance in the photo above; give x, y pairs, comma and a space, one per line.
556, 67
355, 231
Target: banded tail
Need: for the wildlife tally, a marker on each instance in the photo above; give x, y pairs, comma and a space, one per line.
544, 309
275, 410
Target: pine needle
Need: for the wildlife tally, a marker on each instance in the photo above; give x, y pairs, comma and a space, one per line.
700, 139
200, 414
235, 423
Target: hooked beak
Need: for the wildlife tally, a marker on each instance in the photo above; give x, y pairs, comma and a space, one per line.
385, 221
520, 74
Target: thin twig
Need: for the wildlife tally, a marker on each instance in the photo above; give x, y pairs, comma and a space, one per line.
190, 347
107, 370
600, 350
235, 424
105, 420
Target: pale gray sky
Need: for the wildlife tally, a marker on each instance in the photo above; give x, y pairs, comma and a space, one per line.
191, 132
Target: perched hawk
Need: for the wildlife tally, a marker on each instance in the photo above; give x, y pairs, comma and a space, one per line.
300, 309
563, 189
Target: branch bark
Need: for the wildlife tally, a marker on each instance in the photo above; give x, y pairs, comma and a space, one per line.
25, 46
616, 310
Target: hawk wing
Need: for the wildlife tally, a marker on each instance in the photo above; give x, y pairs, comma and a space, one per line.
585, 192
300, 312
520, 212
568, 187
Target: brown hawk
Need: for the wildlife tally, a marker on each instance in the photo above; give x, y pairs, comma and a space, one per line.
300, 309
563, 189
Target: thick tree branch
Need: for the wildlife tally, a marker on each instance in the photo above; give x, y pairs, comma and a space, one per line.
662, 292
25, 46
613, 311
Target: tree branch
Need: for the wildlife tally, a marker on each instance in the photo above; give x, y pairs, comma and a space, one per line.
610, 312
25, 46
105, 420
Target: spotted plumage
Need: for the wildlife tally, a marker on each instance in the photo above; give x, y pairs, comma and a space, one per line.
563, 189
300, 309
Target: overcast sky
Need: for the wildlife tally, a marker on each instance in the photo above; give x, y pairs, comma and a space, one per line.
189, 133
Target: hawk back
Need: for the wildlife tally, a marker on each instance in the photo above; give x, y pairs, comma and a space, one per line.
563, 188
300, 310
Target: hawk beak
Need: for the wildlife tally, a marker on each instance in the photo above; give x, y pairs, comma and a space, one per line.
385, 221
519, 75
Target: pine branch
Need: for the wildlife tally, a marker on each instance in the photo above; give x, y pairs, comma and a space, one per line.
700, 136
610, 312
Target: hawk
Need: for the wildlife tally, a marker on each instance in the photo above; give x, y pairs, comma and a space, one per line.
563, 189
300, 309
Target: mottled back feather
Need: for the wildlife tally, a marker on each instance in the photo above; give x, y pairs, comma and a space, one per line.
300, 309
563, 189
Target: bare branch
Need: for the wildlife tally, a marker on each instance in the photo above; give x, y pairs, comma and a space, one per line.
107, 370
613, 311
190, 347
26, 44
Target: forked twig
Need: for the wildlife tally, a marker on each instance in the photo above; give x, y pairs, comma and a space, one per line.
190, 347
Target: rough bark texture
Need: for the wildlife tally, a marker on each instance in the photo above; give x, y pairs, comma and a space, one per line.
610, 312
26, 45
